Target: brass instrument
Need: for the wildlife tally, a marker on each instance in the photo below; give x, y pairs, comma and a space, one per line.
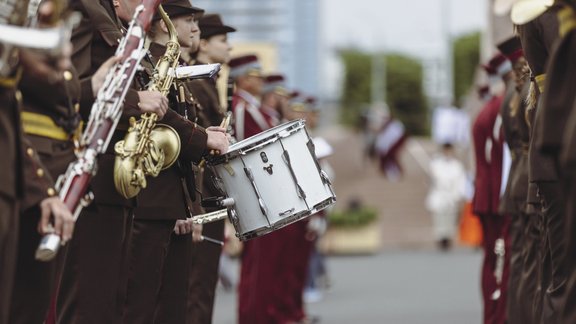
148, 147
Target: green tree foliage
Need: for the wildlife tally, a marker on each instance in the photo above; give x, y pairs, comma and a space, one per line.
405, 94
466, 50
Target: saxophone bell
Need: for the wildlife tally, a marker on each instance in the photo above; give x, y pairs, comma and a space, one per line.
149, 148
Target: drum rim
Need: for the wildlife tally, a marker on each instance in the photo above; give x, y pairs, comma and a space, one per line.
290, 220
291, 127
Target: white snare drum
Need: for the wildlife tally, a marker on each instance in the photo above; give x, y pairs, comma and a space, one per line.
274, 179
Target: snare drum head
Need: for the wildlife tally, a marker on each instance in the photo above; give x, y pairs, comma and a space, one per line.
259, 140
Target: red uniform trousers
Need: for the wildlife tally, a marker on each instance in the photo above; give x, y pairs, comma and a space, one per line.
273, 275
493, 228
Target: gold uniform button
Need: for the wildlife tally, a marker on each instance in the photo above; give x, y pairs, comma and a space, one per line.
51, 191
67, 75
30, 151
18, 95
40, 173
77, 107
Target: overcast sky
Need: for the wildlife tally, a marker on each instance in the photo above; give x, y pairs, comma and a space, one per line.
414, 27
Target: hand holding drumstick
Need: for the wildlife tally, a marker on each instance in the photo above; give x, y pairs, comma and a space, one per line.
218, 140
223, 125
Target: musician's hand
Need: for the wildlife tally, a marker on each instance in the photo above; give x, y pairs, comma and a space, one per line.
153, 102
100, 75
62, 219
197, 232
183, 226
217, 139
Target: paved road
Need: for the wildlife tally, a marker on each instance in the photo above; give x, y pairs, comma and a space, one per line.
396, 287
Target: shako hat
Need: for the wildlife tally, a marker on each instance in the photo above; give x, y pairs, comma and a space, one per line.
245, 65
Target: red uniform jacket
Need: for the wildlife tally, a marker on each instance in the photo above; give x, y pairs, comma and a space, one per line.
248, 119
488, 152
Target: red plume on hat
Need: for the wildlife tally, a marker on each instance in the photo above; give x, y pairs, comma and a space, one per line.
294, 94
311, 100
245, 65
511, 48
275, 83
498, 65
483, 90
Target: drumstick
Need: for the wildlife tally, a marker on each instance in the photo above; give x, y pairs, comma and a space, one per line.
211, 240
223, 124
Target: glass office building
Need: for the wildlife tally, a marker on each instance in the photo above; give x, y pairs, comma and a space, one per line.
290, 26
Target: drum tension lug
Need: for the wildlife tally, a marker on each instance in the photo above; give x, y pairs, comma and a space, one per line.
269, 169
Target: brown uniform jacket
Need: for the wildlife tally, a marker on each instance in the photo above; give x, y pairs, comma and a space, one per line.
166, 196
559, 95
516, 134
538, 37
58, 102
19, 169
209, 113
10, 165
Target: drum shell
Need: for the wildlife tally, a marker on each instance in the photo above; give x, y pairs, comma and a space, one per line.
264, 157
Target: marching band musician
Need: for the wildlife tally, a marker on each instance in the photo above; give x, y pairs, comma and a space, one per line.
91, 288
158, 269
488, 145
49, 88
24, 180
51, 121
275, 99
18, 169
248, 118
524, 261
213, 48
538, 38
558, 124
260, 298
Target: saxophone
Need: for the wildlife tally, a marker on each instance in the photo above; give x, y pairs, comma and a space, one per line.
148, 147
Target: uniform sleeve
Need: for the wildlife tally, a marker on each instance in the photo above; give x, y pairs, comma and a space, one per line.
193, 138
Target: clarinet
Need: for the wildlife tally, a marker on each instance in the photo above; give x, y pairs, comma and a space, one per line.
104, 117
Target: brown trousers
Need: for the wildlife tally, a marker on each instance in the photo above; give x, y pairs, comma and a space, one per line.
524, 297
148, 252
35, 281
93, 280
554, 222
171, 308
8, 248
568, 314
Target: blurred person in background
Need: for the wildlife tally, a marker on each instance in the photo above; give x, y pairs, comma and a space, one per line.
275, 99
389, 141
317, 277
446, 194
246, 71
488, 149
451, 124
